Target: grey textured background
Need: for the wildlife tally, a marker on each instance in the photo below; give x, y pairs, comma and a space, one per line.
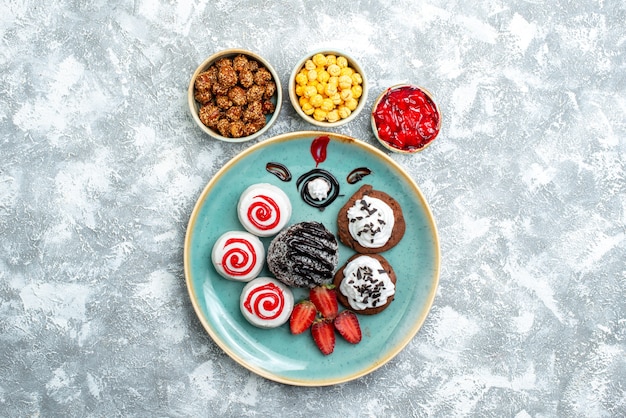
101, 166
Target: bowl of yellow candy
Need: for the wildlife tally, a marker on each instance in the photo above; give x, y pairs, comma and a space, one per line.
328, 88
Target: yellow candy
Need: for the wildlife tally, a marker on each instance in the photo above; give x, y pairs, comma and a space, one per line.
327, 105
316, 100
319, 115
342, 62
310, 91
330, 89
356, 78
336, 98
331, 59
344, 112
319, 60
345, 82
301, 78
346, 95
357, 91
309, 65
312, 75
302, 100
308, 109
323, 76
334, 70
333, 116
352, 104
347, 71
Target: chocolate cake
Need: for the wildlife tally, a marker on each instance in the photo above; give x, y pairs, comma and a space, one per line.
303, 255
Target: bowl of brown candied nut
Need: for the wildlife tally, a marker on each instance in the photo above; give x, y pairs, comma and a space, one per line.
328, 88
234, 95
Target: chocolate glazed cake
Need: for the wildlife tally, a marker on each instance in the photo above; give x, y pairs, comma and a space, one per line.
303, 255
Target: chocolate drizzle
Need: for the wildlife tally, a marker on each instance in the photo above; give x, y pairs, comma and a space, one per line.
309, 176
357, 175
279, 170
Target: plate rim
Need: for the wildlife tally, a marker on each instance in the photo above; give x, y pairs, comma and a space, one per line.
417, 325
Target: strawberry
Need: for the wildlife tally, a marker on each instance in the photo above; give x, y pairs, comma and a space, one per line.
302, 316
347, 325
324, 335
325, 300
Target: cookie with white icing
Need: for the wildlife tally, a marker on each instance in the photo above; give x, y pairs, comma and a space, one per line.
238, 256
366, 284
264, 209
371, 221
266, 303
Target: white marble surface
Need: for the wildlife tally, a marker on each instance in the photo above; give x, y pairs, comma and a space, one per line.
101, 166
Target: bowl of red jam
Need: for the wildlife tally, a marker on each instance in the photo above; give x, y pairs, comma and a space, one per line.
405, 118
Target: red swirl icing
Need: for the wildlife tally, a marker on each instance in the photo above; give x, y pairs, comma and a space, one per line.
242, 261
266, 302
262, 211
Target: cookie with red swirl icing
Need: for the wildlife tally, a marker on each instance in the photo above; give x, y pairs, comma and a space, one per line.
264, 209
238, 256
266, 303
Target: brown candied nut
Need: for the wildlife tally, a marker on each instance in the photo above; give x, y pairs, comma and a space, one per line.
203, 96
253, 65
262, 76
237, 129
255, 93
220, 89
267, 107
270, 89
223, 62
240, 63
254, 111
227, 76
234, 113
254, 126
223, 126
246, 78
223, 102
206, 79
237, 95
209, 115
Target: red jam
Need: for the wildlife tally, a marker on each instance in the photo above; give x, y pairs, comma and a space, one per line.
318, 149
406, 118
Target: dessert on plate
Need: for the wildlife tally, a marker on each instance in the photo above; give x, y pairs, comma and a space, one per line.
371, 221
238, 255
366, 283
264, 209
303, 255
266, 303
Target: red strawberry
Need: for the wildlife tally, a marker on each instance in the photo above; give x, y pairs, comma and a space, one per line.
302, 317
325, 300
324, 335
347, 325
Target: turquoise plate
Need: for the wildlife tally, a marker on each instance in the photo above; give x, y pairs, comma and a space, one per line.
274, 353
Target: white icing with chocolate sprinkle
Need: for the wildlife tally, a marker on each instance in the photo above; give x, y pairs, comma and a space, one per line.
371, 221
366, 284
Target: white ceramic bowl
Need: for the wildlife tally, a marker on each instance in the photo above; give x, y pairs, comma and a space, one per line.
294, 98
194, 106
406, 138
